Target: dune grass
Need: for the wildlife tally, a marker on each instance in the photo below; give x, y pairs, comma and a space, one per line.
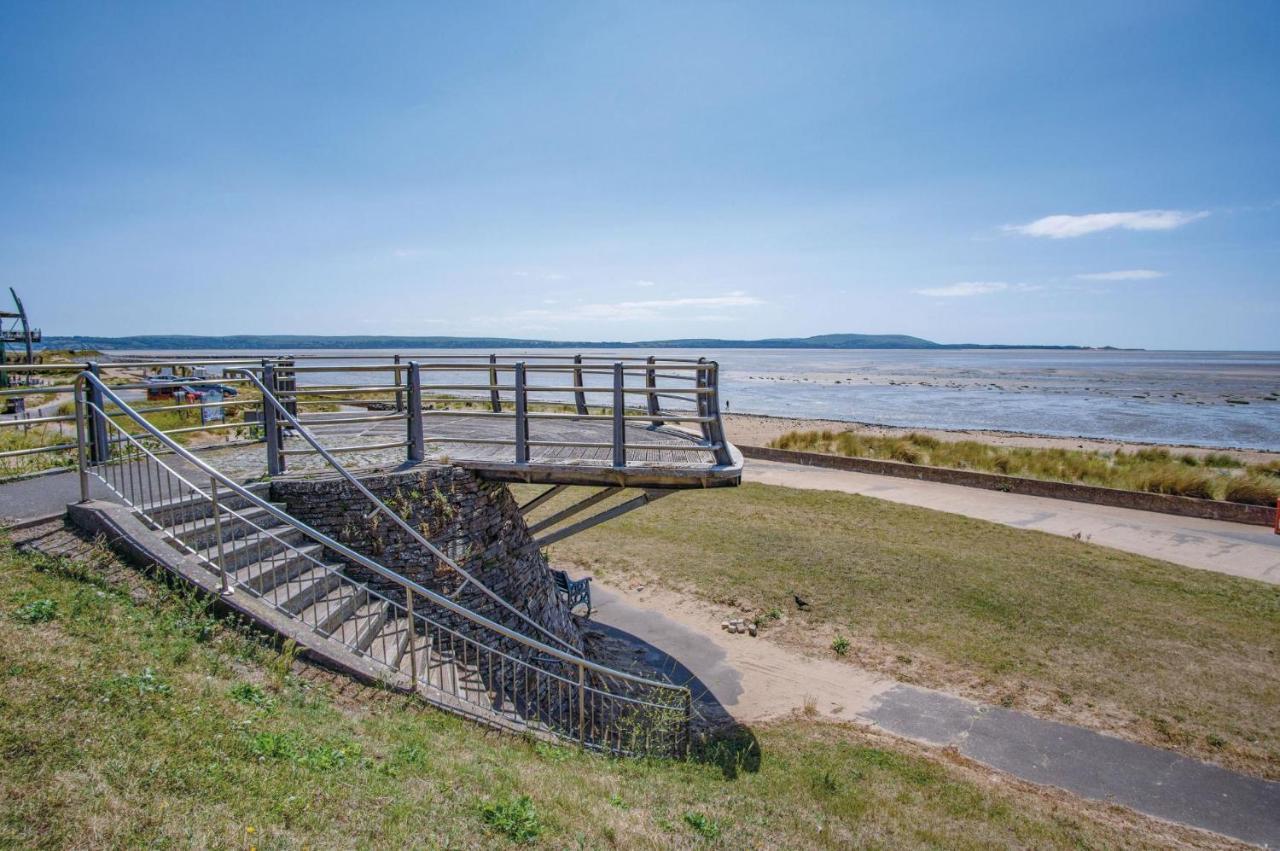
1216, 475
130, 716
1182, 658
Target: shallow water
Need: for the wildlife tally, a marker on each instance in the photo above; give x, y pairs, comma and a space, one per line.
1165, 397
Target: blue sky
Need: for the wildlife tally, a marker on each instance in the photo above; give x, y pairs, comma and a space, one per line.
1093, 173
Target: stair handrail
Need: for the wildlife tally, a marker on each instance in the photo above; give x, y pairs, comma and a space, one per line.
338, 547
381, 506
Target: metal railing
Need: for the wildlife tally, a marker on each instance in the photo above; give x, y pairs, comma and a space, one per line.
456, 658
528, 390
278, 409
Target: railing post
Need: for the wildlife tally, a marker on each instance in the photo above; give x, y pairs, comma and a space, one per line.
619, 417
579, 395
651, 382
417, 451
715, 430
397, 382
582, 704
522, 417
82, 439
495, 398
227, 590
100, 449
413, 633
270, 422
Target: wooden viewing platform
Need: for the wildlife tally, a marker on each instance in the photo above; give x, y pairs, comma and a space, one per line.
657, 456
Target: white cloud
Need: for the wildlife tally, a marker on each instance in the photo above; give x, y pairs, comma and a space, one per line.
645, 283
629, 311
1123, 275
1066, 227
965, 288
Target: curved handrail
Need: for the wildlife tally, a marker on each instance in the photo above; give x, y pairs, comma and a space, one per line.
362, 560
385, 509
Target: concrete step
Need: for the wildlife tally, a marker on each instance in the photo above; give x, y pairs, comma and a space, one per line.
264, 575
202, 533
182, 509
363, 625
327, 614
256, 547
389, 645
303, 590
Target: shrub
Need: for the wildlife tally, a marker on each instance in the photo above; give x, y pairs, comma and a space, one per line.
703, 826
250, 694
841, 646
37, 611
1252, 490
514, 818
903, 451
1178, 482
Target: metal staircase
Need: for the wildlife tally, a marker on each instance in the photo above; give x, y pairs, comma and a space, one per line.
292, 578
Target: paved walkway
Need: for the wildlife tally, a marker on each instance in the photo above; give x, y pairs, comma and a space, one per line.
1232, 548
754, 679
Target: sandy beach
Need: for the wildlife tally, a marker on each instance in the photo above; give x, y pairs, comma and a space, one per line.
758, 430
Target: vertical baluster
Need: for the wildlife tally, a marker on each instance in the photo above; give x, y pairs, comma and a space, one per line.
417, 450
413, 656
619, 418
579, 395
217, 533
397, 381
651, 382
522, 417
82, 437
495, 398
582, 704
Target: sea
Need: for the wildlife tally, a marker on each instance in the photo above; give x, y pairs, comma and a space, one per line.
1210, 399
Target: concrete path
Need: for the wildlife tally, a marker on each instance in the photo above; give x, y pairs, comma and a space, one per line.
1231, 548
44, 495
755, 679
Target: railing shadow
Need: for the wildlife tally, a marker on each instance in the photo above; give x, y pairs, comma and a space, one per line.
717, 738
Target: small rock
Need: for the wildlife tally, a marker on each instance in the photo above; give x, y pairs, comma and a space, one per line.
753, 630
724, 624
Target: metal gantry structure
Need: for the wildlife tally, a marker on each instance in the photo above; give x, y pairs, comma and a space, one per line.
16, 328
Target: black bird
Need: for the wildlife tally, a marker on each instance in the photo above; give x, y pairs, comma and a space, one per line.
800, 603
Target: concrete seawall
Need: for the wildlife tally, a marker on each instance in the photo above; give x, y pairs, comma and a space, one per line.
1209, 509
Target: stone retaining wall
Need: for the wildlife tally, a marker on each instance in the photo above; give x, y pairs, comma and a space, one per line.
476, 523
1186, 506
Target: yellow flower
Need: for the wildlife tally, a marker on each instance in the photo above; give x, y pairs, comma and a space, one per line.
248, 829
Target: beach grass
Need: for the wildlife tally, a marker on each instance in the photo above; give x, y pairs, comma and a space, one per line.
1153, 470
130, 716
1181, 658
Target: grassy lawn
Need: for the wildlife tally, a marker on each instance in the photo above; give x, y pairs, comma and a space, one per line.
1181, 658
130, 716
1212, 476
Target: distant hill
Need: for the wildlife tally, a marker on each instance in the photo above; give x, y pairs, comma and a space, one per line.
299, 342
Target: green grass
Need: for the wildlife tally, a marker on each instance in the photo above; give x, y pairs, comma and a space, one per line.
135, 718
1215, 475
1182, 658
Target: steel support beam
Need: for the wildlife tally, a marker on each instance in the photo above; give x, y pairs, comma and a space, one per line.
541, 498
596, 519
578, 507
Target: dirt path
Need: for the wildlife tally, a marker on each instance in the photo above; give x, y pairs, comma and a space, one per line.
755, 679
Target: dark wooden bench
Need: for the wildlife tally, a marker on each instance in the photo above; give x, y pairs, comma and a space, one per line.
574, 591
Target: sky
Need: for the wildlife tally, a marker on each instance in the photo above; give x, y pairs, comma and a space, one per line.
1053, 173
